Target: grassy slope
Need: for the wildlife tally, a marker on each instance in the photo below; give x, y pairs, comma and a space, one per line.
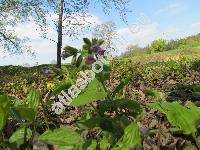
23, 72
192, 52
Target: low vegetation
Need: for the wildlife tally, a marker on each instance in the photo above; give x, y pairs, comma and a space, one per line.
148, 101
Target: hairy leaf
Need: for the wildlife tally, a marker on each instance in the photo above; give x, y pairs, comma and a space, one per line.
183, 118
23, 113
18, 136
131, 138
34, 99
92, 93
4, 110
62, 136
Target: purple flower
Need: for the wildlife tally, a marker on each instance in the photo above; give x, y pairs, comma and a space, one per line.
46, 71
101, 52
90, 60
63, 55
98, 50
95, 48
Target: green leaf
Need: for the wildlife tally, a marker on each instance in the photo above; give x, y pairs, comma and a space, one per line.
87, 41
34, 100
4, 110
104, 143
100, 42
18, 136
133, 106
79, 61
61, 87
89, 123
94, 41
93, 145
151, 92
71, 147
131, 138
23, 113
196, 94
62, 136
196, 88
123, 83
85, 51
92, 93
183, 118
70, 51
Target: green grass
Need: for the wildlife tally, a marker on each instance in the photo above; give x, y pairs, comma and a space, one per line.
191, 53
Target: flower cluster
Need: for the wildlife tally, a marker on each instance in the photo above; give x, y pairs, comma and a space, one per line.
98, 51
63, 55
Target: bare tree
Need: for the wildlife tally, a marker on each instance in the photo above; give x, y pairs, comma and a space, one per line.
13, 12
106, 32
72, 17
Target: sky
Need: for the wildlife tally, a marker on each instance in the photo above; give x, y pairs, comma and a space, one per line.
148, 20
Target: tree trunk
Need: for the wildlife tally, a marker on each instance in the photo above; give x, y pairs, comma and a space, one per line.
59, 43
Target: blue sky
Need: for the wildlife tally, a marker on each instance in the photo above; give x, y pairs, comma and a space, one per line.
169, 19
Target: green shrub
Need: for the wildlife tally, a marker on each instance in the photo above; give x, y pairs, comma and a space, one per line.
159, 45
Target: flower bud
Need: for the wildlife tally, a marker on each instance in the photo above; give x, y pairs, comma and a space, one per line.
90, 60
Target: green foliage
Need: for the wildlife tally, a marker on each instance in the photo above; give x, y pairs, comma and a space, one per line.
63, 136
131, 138
23, 113
18, 136
159, 45
109, 112
4, 109
70, 51
92, 93
34, 100
155, 94
183, 118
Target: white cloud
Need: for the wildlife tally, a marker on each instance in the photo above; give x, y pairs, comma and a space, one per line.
195, 25
145, 35
44, 48
172, 9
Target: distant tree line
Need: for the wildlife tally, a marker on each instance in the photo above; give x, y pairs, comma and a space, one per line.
162, 45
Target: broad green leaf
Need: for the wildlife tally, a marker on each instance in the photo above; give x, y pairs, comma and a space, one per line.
131, 138
4, 110
93, 145
62, 136
18, 136
92, 93
34, 99
23, 113
183, 118
71, 147
104, 143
